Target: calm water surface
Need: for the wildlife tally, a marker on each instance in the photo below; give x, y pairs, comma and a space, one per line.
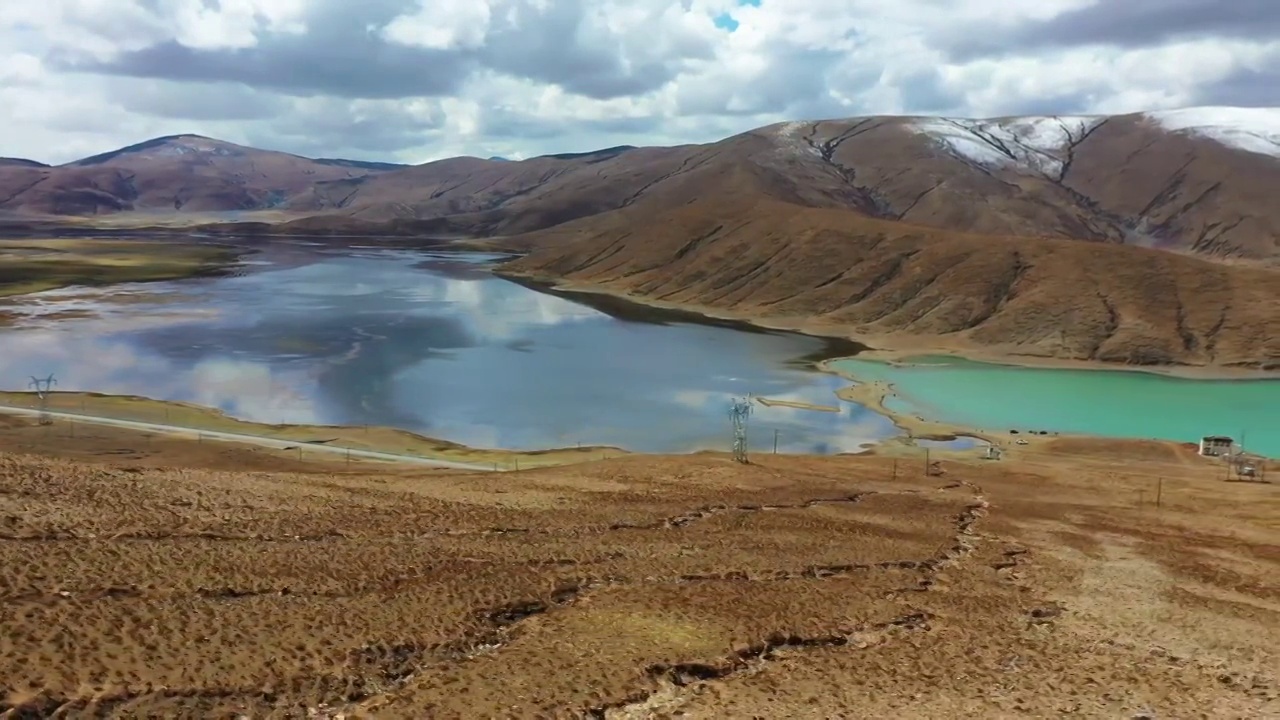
434, 343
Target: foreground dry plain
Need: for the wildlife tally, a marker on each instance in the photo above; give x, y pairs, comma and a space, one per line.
161, 577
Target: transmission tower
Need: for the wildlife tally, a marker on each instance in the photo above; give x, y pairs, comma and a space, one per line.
739, 413
42, 387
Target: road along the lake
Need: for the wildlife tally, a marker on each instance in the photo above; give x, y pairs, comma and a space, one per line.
247, 439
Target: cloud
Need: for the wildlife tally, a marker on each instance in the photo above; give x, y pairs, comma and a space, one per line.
417, 80
1135, 24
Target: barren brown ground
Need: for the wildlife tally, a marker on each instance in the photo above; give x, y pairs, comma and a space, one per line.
175, 579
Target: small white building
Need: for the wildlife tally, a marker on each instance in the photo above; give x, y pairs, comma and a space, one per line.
1216, 445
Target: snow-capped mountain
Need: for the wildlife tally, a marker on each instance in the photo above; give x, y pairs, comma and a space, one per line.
1045, 144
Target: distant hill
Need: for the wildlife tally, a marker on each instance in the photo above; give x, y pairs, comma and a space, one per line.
20, 162
361, 164
188, 173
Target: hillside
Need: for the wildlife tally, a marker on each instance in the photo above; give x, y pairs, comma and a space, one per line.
1197, 181
171, 577
892, 284
20, 162
186, 173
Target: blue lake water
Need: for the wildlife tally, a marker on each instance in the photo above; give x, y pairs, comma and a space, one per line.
431, 342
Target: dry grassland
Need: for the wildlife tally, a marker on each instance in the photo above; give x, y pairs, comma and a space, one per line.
199, 418
216, 581
34, 265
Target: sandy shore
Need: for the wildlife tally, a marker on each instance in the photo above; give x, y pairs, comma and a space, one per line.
166, 578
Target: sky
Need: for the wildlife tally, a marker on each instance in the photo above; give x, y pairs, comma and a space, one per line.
418, 80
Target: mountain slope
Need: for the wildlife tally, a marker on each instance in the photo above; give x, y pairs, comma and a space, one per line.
1199, 180
1171, 181
182, 172
894, 285
20, 162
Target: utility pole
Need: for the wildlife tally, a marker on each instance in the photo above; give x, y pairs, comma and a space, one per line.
738, 413
775, 441
42, 387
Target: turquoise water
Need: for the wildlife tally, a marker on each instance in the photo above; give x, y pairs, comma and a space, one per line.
999, 398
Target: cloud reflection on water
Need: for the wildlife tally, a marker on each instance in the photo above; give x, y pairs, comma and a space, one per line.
437, 347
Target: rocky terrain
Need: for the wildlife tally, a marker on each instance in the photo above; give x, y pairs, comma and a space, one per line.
1146, 238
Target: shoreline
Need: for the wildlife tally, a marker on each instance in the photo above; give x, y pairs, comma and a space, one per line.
39, 262
883, 348
902, 346
199, 418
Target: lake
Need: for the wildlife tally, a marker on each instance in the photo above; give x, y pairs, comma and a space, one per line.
999, 398
433, 342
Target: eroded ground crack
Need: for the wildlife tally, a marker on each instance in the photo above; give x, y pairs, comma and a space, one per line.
665, 677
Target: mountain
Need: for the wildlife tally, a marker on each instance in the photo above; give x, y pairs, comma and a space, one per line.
898, 286
20, 162
1148, 238
1199, 180
187, 173
1037, 237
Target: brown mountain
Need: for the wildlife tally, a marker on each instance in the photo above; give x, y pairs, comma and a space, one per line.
1047, 236
969, 243
183, 172
1128, 179
894, 285
20, 162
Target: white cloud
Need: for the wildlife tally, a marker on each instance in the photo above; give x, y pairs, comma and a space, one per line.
411, 80
442, 25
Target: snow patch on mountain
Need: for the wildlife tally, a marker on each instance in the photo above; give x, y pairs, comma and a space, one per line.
1255, 130
1040, 145
791, 140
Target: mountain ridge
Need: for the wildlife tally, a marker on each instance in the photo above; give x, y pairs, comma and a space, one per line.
1144, 239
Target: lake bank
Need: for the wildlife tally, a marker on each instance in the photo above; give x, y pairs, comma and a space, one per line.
35, 265
889, 347
939, 395
197, 418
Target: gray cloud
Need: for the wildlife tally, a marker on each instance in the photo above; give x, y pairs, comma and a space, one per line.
798, 78
303, 66
344, 54
554, 45
1128, 24
1244, 88
338, 55
373, 130
925, 92
507, 123
196, 101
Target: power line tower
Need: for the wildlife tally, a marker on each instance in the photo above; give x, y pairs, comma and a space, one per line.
739, 413
42, 387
